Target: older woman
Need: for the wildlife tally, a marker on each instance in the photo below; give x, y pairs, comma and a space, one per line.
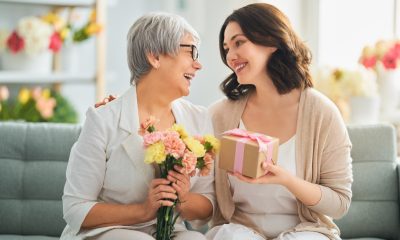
110, 193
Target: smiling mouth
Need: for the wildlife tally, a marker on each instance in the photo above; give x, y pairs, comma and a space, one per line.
188, 76
239, 67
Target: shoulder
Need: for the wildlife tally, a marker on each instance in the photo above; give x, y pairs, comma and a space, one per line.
222, 108
195, 117
319, 105
321, 114
106, 113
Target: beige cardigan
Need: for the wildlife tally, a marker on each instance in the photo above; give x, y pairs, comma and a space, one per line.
322, 157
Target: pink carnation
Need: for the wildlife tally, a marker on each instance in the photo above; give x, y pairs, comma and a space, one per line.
208, 161
150, 121
173, 144
189, 161
200, 139
151, 138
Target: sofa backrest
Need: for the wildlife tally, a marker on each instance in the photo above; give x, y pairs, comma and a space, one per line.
33, 159
374, 211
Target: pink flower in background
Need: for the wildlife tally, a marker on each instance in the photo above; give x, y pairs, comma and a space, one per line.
36, 93
386, 53
369, 62
173, 144
15, 43
55, 42
389, 60
189, 161
4, 93
151, 138
46, 107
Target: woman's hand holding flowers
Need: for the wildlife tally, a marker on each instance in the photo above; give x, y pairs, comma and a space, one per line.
160, 194
180, 182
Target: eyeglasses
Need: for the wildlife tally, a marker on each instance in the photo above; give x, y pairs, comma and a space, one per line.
195, 52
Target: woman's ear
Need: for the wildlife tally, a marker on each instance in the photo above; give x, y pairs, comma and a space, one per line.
153, 60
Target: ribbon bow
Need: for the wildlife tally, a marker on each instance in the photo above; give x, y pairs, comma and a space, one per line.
261, 139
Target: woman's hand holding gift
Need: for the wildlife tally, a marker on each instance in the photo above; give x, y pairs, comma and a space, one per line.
274, 175
308, 193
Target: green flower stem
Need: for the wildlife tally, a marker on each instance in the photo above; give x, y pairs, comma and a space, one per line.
165, 215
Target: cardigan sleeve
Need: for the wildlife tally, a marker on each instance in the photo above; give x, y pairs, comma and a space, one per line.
335, 177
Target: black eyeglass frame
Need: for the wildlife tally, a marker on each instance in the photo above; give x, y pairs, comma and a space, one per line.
194, 50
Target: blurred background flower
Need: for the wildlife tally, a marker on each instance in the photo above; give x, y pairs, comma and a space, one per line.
385, 54
36, 105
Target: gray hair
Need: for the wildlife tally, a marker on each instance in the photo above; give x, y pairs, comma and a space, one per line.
157, 33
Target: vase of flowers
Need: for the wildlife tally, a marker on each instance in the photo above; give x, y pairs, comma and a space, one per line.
30, 46
166, 149
384, 58
78, 40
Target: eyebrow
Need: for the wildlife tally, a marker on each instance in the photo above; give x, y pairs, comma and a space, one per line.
233, 37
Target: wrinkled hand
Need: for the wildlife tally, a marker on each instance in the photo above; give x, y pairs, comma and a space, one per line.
274, 175
180, 182
160, 194
110, 98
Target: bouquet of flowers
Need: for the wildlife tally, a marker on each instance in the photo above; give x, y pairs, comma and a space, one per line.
384, 54
175, 147
36, 105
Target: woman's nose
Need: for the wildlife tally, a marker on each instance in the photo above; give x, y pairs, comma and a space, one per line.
230, 57
197, 65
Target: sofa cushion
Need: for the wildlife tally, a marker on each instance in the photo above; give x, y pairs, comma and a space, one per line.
18, 237
33, 159
374, 211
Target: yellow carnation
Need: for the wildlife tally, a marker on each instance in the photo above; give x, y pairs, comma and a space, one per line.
155, 153
181, 130
195, 146
23, 96
213, 141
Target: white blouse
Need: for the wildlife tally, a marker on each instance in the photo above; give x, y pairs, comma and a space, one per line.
107, 162
272, 207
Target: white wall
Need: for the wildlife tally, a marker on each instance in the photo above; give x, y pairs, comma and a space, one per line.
345, 27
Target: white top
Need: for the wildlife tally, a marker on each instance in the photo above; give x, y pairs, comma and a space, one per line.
106, 164
272, 207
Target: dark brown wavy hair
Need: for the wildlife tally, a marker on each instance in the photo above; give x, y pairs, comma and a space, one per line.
264, 24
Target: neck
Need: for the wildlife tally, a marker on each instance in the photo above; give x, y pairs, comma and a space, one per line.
266, 94
150, 101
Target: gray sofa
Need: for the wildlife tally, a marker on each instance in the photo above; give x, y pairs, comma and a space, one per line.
33, 158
